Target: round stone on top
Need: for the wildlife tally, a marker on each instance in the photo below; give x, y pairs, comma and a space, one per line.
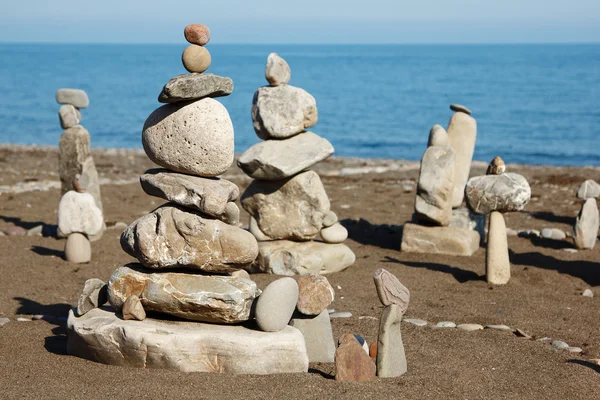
278, 71
196, 58
496, 167
503, 193
197, 34
460, 108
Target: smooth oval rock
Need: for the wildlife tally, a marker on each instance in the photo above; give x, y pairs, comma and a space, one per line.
553, 233
437, 136
462, 134
445, 324
335, 233
191, 138
315, 294
329, 219
390, 290
78, 212
172, 237
196, 58
279, 112
75, 97
276, 304
279, 159
585, 231
195, 86
469, 327
460, 108
198, 34
502, 193
69, 116
277, 71
78, 249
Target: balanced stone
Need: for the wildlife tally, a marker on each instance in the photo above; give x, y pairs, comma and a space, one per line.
276, 304
214, 298
390, 290
211, 196
391, 359
283, 257
279, 112
351, 362
289, 209
171, 237
198, 34
439, 240
77, 212
279, 159
497, 263
194, 87
78, 249
437, 136
330, 219
503, 193
196, 58
496, 167
462, 132
75, 97
588, 190
94, 295
585, 231
335, 233
433, 202
278, 71
318, 336
185, 346
133, 309
73, 151
191, 138
460, 108
69, 116
315, 294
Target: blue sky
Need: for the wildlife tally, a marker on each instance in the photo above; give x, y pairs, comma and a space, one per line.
306, 21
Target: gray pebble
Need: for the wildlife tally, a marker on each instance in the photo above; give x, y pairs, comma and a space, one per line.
556, 234
445, 324
572, 349
588, 293
415, 321
559, 344
470, 327
4, 321
341, 314
460, 108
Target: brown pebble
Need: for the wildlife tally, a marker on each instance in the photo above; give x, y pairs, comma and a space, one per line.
15, 231
352, 364
314, 294
373, 350
196, 58
197, 34
496, 167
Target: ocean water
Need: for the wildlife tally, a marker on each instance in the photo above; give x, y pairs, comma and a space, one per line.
535, 104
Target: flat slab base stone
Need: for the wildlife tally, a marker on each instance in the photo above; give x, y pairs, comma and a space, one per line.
100, 335
439, 240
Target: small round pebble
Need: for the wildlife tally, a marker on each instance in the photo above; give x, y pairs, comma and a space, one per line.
573, 349
470, 327
196, 58
340, 314
500, 327
415, 321
373, 350
336, 233
276, 304
587, 293
556, 234
198, 34
445, 324
559, 344
460, 108
329, 219
4, 321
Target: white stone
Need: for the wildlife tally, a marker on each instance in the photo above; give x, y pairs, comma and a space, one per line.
497, 263
276, 304
415, 321
435, 187
78, 249
587, 293
469, 327
445, 324
335, 233
78, 212
462, 132
437, 136
588, 189
585, 231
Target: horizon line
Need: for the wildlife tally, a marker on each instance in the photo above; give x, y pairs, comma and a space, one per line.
313, 43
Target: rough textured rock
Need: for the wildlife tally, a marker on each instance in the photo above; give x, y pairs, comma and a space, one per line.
391, 360
277, 71
282, 257
185, 346
497, 263
206, 298
315, 294
75, 97
290, 209
69, 116
390, 290
503, 193
318, 336
437, 136
78, 249
192, 138
279, 159
588, 190
435, 187
460, 108
496, 167
77, 212
585, 231
210, 196
194, 87
196, 58
335, 233
276, 304
351, 362
133, 309
172, 237
439, 240
94, 295
462, 132
198, 34
73, 151
279, 112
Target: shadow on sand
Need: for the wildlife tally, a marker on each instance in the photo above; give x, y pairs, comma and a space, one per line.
594, 367
549, 216
552, 243
586, 270
55, 314
364, 232
461, 275
45, 251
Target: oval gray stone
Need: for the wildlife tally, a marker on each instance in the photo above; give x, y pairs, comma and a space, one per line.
437, 136
195, 86
277, 71
276, 304
75, 97
503, 193
69, 116
460, 108
335, 233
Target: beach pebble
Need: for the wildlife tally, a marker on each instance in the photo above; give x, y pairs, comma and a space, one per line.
4, 321
351, 362
197, 34
390, 290
408, 186
36, 231
133, 309
585, 232
587, 293
544, 339
15, 231
437, 136
460, 108
196, 58
496, 167
255, 230
75, 97
500, 327
329, 219
373, 350
340, 314
275, 306
94, 295
415, 321
120, 226
445, 324
21, 319
551, 233
568, 250
588, 190
189, 87
469, 327
69, 116
314, 294
242, 273
511, 232
192, 138
37, 317
559, 344
572, 349
78, 249
439, 240
335, 233
503, 193
497, 263
277, 71
522, 333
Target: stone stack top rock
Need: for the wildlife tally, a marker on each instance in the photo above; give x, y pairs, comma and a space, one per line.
589, 189
75, 97
390, 290
460, 108
277, 71
78, 213
198, 34
195, 57
496, 167
437, 136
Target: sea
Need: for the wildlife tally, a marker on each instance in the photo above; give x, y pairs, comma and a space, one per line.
534, 104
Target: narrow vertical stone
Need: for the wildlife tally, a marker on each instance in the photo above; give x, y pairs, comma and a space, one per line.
462, 132
585, 231
391, 359
497, 264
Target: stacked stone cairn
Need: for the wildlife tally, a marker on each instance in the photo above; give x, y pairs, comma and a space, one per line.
585, 230
493, 194
287, 202
192, 254
440, 225
74, 156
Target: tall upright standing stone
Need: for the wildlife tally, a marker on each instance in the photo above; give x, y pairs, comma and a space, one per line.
462, 133
585, 231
